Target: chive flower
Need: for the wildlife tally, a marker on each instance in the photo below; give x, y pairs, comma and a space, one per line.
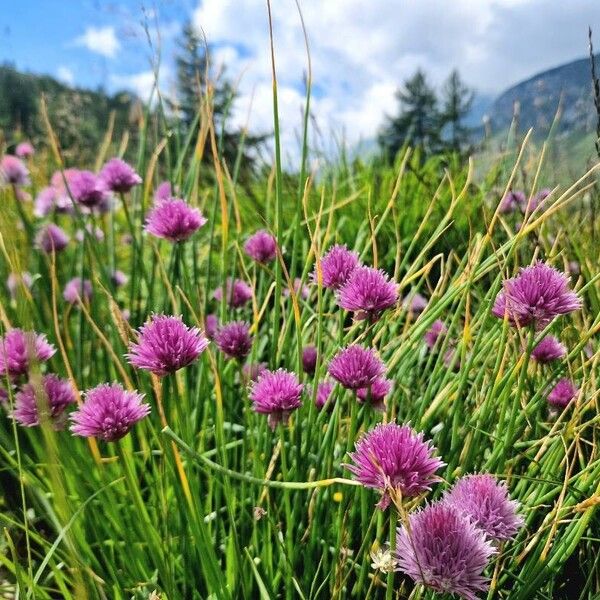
324, 390
18, 349
57, 395
261, 247
437, 330
234, 339
376, 393
415, 304
118, 176
356, 367
25, 150
252, 371
336, 266
163, 191
395, 460
548, 350
368, 292
277, 394
174, 220
238, 293
108, 412
513, 201
13, 171
443, 550
485, 501
537, 295
51, 238
118, 278
77, 290
15, 280
309, 359
88, 189
211, 326
166, 344
562, 393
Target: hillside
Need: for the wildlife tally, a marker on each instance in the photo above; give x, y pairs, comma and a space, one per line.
538, 98
80, 117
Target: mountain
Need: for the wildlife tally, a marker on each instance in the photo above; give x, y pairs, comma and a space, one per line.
79, 117
537, 100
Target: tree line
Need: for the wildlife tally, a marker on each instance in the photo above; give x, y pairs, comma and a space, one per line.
432, 122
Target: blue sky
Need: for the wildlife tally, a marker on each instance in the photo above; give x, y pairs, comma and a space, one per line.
361, 49
89, 43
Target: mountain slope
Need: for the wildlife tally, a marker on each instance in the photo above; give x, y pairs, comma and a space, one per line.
537, 100
79, 117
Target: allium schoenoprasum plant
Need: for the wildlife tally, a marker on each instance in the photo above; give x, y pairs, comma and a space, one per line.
388, 392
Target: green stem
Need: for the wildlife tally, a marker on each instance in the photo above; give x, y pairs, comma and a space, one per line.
289, 485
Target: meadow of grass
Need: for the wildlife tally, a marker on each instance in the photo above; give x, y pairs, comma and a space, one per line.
202, 499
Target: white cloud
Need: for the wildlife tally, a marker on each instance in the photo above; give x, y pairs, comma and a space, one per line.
65, 74
141, 83
101, 40
362, 51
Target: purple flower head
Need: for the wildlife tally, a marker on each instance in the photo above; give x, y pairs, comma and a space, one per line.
108, 413
356, 367
368, 292
452, 359
437, 330
535, 201
25, 150
574, 268
45, 202
13, 171
94, 232
262, 247
513, 201
252, 371
309, 359
19, 348
163, 191
536, 296
165, 345
300, 290
77, 290
174, 220
51, 238
376, 393
277, 394
415, 304
88, 189
4, 396
211, 326
562, 393
548, 349
324, 390
234, 339
444, 551
118, 176
55, 397
485, 501
337, 266
395, 460
14, 282
118, 278
238, 293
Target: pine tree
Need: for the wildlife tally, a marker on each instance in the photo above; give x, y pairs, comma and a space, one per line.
457, 99
418, 121
191, 64
193, 81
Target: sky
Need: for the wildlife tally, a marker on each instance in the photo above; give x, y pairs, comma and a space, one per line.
361, 50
